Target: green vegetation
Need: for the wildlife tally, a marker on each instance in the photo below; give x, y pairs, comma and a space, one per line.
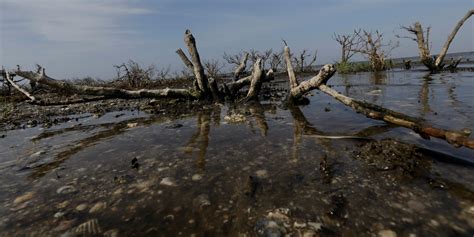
350, 67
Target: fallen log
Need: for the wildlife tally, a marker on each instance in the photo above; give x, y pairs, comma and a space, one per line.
9, 79
69, 87
374, 111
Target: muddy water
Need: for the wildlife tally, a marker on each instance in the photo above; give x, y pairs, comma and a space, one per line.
260, 169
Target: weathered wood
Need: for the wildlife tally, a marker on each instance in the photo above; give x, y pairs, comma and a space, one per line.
422, 39
234, 87
450, 39
10, 80
256, 81
241, 67
198, 69
185, 59
377, 112
393, 117
289, 66
69, 87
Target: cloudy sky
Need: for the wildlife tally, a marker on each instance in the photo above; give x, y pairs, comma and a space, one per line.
78, 38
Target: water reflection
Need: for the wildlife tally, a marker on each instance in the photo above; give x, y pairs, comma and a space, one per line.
424, 95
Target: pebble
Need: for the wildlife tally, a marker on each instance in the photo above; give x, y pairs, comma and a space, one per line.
23, 198
81, 207
62, 204
168, 181
132, 125
66, 189
196, 177
298, 224
387, 233
98, 207
59, 214
315, 225
262, 174
201, 201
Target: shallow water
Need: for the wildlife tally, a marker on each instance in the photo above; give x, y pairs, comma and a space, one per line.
256, 169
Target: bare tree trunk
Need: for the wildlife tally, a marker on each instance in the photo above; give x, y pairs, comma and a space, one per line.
375, 111
185, 59
289, 66
42, 78
256, 82
10, 80
201, 78
240, 69
445, 48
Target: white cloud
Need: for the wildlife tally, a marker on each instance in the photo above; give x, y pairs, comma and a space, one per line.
69, 20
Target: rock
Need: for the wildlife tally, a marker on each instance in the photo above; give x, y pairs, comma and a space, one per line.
64, 225
62, 205
299, 224
132, 125
59, 214
111, 233
269, 228
387, 233
98, 207
66, 189
262, 174
196, 177
315, 225
416, 206
309, 233
23, 198
168, 181
81, 207
201, 201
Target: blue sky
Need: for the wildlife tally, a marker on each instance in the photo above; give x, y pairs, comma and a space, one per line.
78, 38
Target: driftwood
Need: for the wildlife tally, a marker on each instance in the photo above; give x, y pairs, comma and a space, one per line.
9, 79
422, 37
373, 111
69, 87
241, 68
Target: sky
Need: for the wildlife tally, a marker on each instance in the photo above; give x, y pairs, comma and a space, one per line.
80, 38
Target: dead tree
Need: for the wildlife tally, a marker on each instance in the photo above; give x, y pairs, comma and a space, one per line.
297, 90
213, 67
305, 60
407, 64
240, 60
133, 75
422, 38
349, 43
276, 60
372, 47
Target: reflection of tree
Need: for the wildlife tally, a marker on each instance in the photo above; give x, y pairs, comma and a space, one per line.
200, 139
112, 131
424, 95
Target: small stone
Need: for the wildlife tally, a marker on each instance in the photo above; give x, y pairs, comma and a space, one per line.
387, 233
299, 224
168, 181
66, 189
23, 198
111, 233
62, 204
64, 225
262, 174
309, 233
81, 207
201, 201
196, 177
235, 118
132, 125
315, 225
98, 207
416, 205
59, 214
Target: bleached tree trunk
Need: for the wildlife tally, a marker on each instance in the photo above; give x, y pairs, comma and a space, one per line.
375, 111
198, 69
256, 81
10, 80
450, 39
42, 78
422, 39
241, 68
